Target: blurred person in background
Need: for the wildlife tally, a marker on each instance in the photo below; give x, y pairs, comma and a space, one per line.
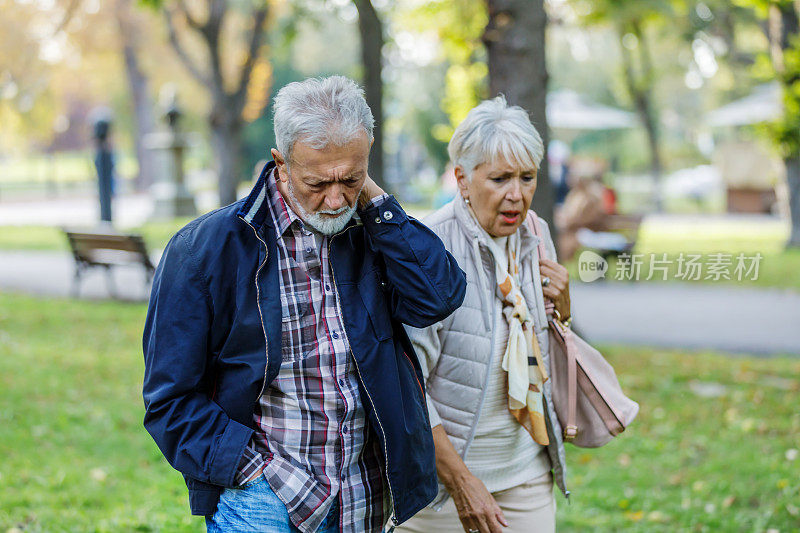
558, 153
498, 441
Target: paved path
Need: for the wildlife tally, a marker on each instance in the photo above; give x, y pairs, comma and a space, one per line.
51, 274
672, 315
759, 321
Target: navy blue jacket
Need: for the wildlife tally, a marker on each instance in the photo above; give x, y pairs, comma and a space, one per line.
213, 332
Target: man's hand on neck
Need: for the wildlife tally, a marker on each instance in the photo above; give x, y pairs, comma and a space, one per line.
368, 192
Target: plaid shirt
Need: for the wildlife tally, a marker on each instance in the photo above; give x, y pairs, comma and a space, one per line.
312, 435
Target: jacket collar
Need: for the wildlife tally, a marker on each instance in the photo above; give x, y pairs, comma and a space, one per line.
255, 209
471, 228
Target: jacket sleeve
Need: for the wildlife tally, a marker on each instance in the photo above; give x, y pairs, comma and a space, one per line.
428, 347
193, 432
425, 282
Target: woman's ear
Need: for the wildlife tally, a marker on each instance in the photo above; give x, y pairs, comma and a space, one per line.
462, 181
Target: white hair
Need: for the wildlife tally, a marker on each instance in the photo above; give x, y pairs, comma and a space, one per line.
319, 112
493, 129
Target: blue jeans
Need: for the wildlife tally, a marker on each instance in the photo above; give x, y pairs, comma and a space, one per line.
256, 508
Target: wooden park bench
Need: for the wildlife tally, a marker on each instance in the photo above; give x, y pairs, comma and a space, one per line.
107, 250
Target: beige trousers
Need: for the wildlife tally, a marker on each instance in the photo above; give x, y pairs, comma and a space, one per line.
528, 508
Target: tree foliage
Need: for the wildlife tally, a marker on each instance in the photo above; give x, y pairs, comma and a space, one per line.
459, 25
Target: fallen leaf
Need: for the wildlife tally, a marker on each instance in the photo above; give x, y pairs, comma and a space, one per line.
657, 516
727, 502
697, 486
792, 510
624, 460
634, 516
98, 474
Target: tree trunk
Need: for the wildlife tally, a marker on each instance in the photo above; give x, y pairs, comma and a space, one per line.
640, 90
793, 181
138, 84
370, 28
783, 28
515, 43
226, 142
225, 120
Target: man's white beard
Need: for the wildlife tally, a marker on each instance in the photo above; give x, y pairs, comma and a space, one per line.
327, 225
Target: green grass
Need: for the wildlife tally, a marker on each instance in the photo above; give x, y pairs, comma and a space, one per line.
692, 463
75, 456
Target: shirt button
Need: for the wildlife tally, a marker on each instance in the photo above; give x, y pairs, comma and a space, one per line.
308, 250
387, 215
377, 220
344, 429
327, 287
335, 334
341, 382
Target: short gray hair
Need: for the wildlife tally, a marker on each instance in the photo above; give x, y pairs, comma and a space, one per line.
493, 129
319, 112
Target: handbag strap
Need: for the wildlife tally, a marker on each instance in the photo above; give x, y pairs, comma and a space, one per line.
564, 335
533, 223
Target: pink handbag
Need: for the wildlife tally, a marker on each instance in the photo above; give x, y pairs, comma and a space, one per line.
587, 398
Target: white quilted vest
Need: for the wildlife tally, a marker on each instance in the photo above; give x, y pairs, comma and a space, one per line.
455, 353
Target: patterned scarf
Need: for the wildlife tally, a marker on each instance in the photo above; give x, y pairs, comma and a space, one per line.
523, 356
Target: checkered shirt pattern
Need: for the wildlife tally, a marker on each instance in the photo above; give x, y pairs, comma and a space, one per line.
312, 435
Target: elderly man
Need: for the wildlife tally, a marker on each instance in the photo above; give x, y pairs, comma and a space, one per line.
279, 379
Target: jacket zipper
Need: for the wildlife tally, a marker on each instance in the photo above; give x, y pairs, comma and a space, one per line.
414, 373
361, 379
258, 305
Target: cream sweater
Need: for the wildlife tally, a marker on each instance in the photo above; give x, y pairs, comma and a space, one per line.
503, 454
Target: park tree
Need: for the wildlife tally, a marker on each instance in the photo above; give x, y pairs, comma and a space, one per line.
515, 45
632, 22
27, 106
130, 26
784, 52
493, 47
236, 77
370, 28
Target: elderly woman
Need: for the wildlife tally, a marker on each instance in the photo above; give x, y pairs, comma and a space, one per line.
498, 441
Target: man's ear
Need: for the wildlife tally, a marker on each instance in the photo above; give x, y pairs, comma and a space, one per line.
462, 181
280, 162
